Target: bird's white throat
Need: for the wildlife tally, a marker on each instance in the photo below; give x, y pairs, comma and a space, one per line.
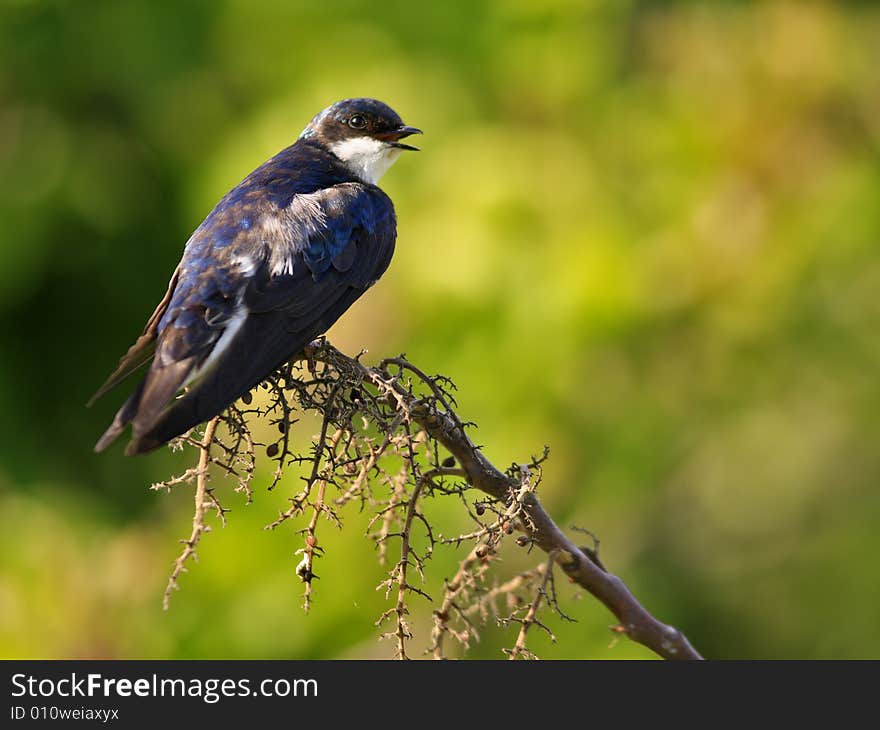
367, 158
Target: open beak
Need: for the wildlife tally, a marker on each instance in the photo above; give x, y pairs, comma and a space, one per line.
393, 138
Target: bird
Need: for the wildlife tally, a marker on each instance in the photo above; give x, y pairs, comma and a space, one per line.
276, 262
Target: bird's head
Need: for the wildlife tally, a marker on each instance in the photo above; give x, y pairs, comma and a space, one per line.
364, 133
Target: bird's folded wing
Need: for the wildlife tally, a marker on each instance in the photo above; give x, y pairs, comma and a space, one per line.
278, 313
284, 312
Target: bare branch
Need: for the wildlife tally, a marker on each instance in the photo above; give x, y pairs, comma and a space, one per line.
633, 619
391, 439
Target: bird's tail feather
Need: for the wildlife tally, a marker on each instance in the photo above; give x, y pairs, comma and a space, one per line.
242, 370
144, 407
215, 389
183, 414
160, 386
208, 396
121, 420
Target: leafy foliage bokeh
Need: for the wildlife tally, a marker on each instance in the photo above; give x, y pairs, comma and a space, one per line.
647, 234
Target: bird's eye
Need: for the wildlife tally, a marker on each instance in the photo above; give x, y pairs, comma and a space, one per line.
357, 122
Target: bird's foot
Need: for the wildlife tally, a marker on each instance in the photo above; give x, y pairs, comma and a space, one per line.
311, 350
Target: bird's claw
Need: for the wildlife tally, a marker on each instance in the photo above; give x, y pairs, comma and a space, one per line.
311, 350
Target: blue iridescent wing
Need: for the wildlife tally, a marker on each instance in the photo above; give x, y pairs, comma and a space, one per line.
290, 275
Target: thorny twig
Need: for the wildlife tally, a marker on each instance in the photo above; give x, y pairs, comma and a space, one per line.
457, 593
198, 523
398, 576
397, 415
312, 550
530, 619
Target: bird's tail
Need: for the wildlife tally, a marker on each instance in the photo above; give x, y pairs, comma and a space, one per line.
209, 395
145, 406
187, 411
123, 417
215, 388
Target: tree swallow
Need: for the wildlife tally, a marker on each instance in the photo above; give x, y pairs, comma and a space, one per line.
278, 260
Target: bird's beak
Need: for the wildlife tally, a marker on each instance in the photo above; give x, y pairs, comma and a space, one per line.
393, 138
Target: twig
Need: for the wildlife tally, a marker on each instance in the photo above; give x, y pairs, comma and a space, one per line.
633, 619
401, 610
519, 649
312, 550
401, 409
452, 591
198, 524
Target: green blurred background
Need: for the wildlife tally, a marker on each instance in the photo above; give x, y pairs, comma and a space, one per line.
647, 234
